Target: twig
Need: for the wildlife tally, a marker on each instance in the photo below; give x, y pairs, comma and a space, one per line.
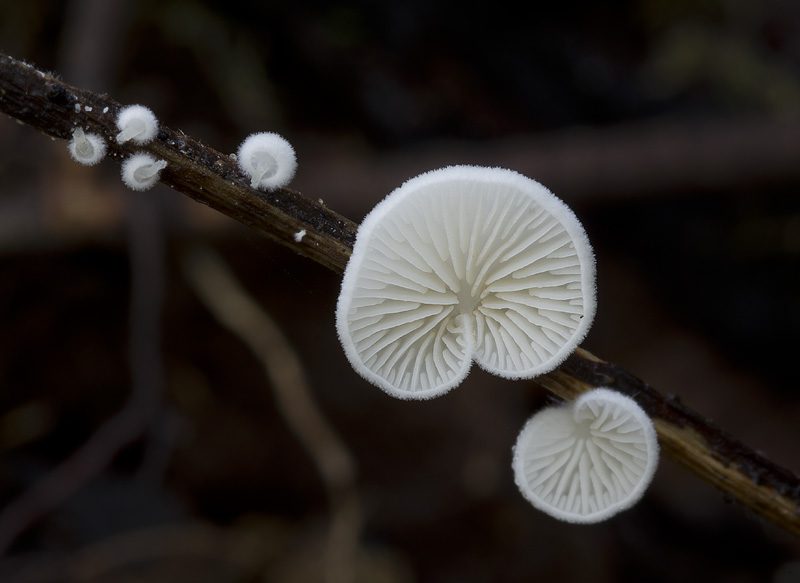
48, 105
146, 251
225, 298
691, 440
66, 479
141, 411
245, 548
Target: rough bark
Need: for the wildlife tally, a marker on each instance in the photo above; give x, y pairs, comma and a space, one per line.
209, 177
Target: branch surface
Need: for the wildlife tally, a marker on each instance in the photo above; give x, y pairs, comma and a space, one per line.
209, 177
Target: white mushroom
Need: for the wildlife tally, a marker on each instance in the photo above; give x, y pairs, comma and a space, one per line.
136, 123
87, 149
586, 461
459, 264
268, 159
141, 171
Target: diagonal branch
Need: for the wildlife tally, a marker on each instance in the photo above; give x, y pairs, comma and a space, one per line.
55, 108
209, 177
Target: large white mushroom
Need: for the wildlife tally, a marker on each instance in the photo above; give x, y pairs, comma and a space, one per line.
459, 264
588, 460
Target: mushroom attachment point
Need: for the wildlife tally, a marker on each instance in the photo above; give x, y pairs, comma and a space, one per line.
268, 159
136, 123
86, 149
141, 171
459, 264
586, 461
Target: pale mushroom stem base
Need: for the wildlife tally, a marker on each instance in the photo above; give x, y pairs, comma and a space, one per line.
48, 105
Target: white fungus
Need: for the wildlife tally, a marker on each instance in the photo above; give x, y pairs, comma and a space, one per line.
141, 171
136, 123
87, 149
268, 159
459, 264
586, 461
298, 236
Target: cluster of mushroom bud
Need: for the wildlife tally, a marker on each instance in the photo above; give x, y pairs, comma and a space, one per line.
136, 124
466, 264
267, 158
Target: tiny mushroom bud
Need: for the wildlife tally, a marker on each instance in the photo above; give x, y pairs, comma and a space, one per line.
86, 149
298, 236
141, 171
137, 124
586, 461
459, 264
268, 159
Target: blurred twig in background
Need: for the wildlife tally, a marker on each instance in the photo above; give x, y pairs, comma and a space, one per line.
236, 310
68, 477
141, 414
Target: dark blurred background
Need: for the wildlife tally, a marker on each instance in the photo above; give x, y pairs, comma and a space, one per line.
672, 127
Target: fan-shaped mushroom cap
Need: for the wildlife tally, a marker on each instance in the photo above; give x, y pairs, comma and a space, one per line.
460, 264
586, 461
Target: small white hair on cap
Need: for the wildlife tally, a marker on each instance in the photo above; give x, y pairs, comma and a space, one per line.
459, 264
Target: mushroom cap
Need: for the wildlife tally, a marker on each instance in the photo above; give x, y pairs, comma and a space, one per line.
586, 461
459, 264
268, 159
141, 171
86, 148
136, 123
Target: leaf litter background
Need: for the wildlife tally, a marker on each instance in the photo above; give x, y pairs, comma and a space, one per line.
670, 127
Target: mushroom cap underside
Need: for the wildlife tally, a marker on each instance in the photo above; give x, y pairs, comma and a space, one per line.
586, 461
460, 264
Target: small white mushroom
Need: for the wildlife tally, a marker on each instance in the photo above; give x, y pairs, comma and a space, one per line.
586, 461
137, 124
141, 171
459, 264
86, 149
268, 159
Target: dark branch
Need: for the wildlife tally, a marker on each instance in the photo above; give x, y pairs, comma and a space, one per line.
209, 177
55, 108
